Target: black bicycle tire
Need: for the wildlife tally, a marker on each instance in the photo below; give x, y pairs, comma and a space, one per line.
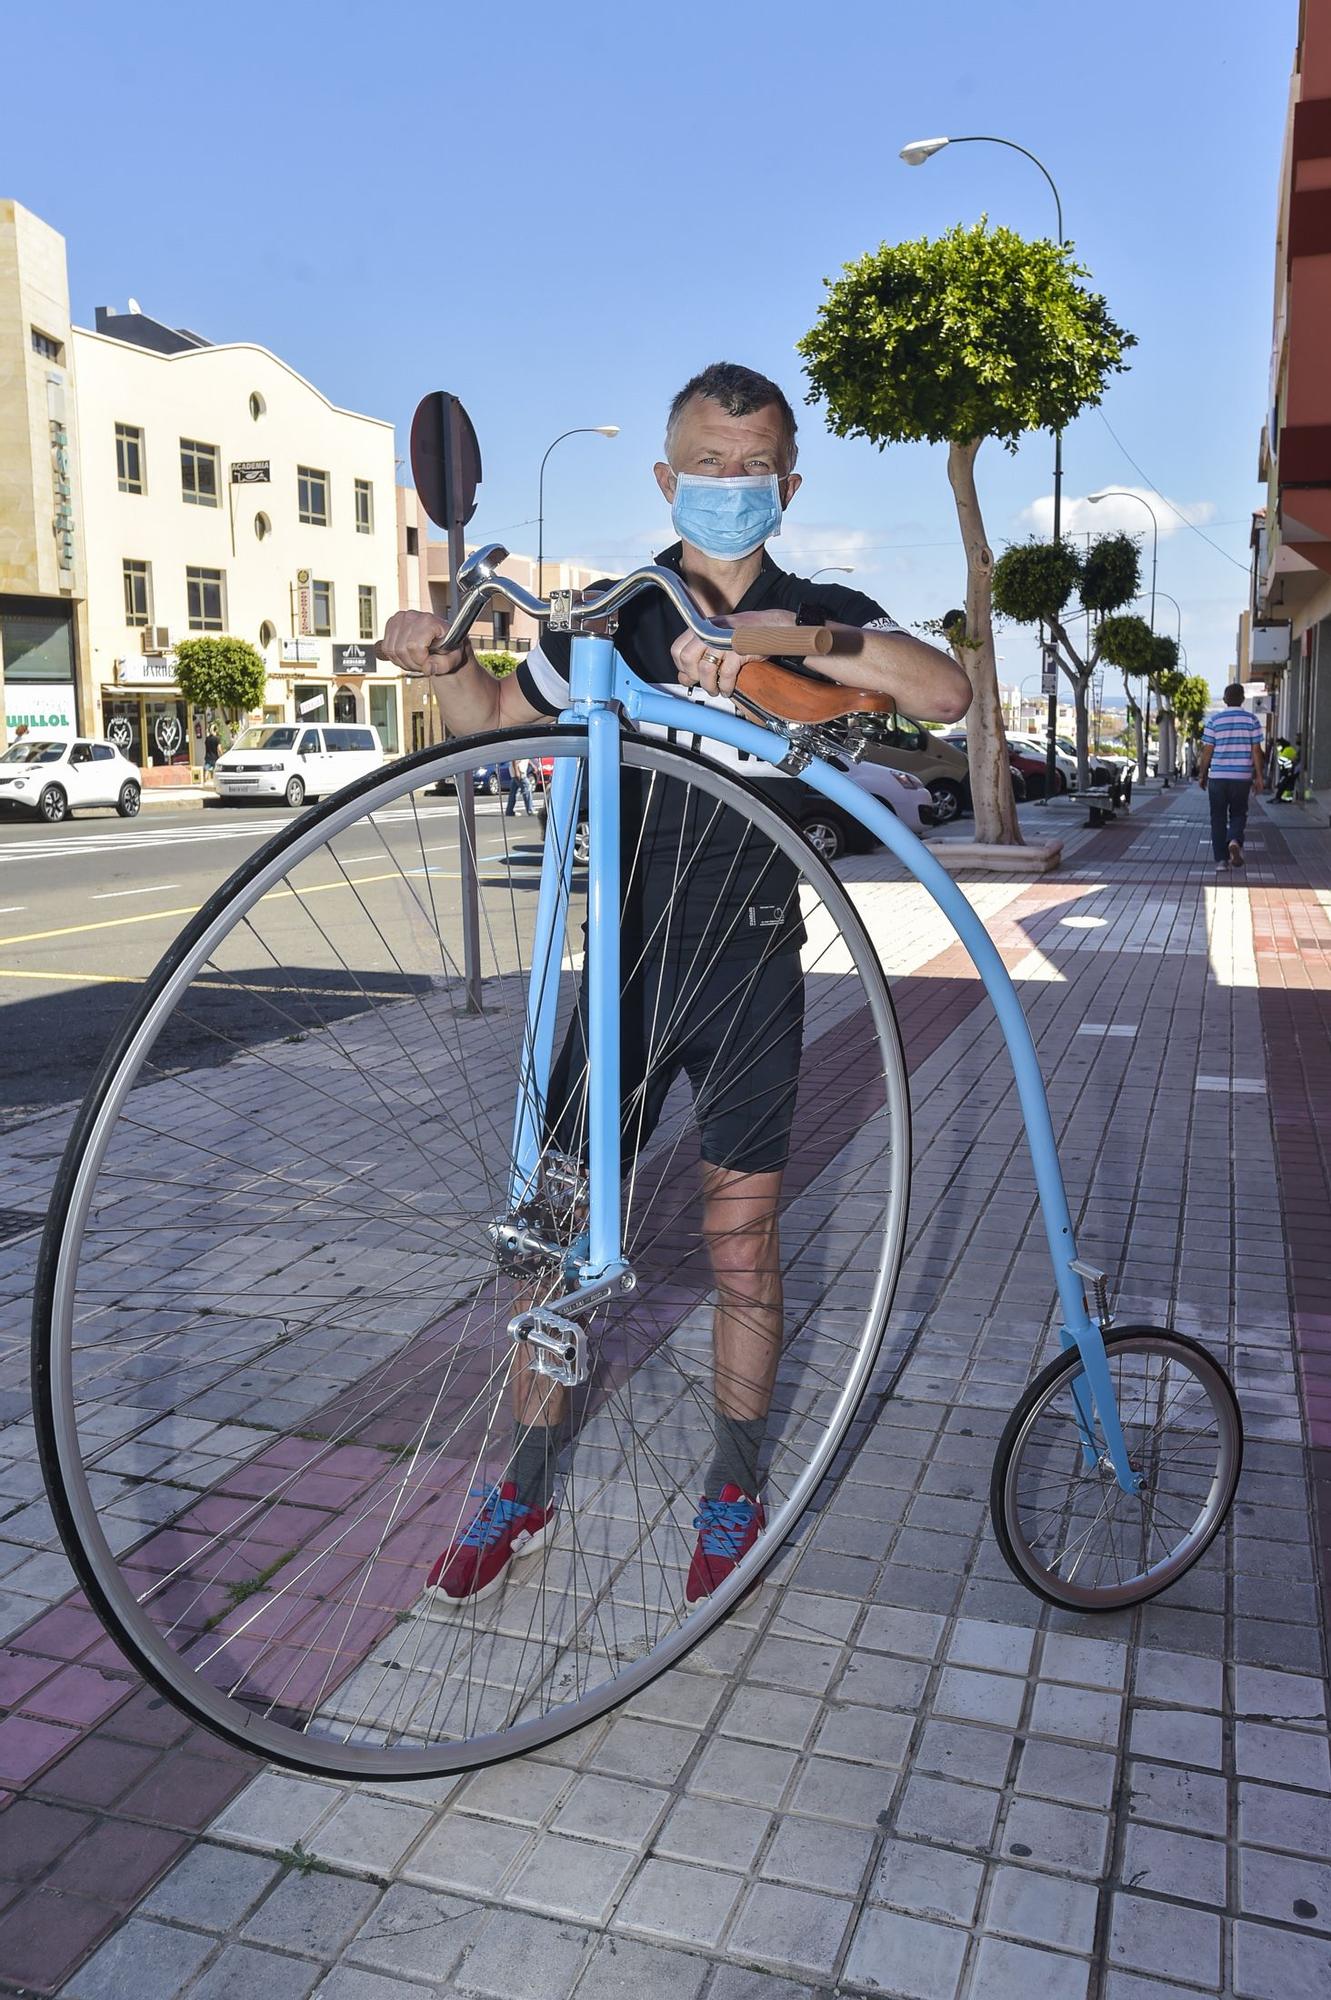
1063, 1364
85, 1123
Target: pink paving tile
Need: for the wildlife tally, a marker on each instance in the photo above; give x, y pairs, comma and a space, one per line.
62, 1634
147, 1718
35, 1834
21, 1672
322, 1489
98, 1771
169, 1550
187, 1790
78, 1695
43, 1936
118, 1862
27, 1747
286, 1527
216, 1513
292, 1452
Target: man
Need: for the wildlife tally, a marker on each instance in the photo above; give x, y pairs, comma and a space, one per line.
727, 476
519, 780
212, 750
1229, 770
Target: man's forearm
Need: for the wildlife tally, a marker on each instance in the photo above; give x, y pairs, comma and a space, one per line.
925, 682
469, 700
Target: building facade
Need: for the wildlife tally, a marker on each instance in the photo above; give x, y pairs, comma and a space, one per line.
1291, 540
208, 489
44, 678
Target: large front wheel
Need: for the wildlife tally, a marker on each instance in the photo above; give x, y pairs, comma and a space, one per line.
274, 1225
1066, 1527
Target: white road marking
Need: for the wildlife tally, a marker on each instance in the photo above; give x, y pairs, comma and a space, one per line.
153, 889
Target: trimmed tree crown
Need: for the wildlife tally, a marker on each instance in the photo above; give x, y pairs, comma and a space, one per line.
976, 333
220, 672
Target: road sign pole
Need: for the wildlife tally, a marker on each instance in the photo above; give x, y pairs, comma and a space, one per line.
471, 922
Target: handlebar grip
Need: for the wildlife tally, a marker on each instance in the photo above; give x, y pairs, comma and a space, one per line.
790, 642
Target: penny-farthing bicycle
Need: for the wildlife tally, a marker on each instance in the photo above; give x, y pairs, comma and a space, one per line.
316, 1220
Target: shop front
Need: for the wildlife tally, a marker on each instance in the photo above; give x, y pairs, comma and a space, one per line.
37, 666
146, 716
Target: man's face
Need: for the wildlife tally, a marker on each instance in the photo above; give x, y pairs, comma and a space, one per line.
715, 445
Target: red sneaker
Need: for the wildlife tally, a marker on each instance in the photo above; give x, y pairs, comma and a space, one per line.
477, 1562
727, 1529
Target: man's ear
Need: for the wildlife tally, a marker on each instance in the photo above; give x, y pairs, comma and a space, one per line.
792, 484
665, 479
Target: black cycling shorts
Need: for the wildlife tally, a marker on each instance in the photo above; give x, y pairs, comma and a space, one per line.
733, 1023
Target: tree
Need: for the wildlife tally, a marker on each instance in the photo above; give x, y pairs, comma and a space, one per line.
221, 674
499, 664
1033, 583
976, 334
1192, 700
1129, 644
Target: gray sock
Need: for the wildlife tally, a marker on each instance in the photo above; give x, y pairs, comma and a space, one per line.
735, 1459
534, 1461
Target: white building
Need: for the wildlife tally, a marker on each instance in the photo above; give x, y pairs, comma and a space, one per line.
222, 493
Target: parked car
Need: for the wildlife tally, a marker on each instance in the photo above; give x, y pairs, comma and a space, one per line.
957, 739
896, 743
1036, 747
296, 761
904, 794
51, 778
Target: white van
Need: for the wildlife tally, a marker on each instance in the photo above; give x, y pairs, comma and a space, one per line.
296, 761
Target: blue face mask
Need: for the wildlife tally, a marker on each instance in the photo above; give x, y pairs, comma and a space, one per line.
726, 518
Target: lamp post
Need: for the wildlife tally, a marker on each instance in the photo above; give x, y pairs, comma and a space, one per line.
915, 155
831, 569
579, 430
1122, 493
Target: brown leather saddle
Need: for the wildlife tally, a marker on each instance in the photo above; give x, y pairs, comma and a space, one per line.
793, 695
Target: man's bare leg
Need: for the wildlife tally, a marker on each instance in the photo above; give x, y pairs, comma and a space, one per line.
741, 1225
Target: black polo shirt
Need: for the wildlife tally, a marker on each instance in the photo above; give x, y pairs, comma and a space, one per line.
649, 625
696, 873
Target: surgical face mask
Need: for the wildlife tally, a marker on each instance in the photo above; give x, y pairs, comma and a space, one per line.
726, 518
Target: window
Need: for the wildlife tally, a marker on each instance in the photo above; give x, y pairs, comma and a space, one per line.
267, 633
129, 458
322, 594
257, 405
102, 753
47, 345
413, 542
198, 473
81, 754
203, 590
383, 714
138, 593
262, 526
309, 744
364, 507
365, 608
503, 624
312, 492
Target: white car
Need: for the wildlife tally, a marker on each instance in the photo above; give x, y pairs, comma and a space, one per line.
1038, 746
50, 777
296, 761
907, 796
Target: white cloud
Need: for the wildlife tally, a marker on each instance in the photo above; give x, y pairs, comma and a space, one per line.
1118, 513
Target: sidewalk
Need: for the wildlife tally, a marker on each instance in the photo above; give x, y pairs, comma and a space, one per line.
894, 1771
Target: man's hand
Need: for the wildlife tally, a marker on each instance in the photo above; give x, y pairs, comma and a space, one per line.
700, 665
408, 637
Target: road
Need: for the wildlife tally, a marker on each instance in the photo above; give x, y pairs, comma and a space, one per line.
88, 908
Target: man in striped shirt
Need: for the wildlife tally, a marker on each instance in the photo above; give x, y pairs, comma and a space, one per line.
1228, 770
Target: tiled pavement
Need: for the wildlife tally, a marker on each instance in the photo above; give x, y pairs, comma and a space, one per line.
893, 1771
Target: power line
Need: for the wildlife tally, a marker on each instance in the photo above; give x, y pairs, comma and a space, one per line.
1169, 503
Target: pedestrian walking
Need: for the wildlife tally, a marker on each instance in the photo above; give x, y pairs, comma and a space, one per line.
1229, 770
212, 750
519, 779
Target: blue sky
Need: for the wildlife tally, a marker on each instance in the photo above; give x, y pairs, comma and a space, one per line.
560, 213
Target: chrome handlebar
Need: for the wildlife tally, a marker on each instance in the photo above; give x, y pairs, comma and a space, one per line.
479, 580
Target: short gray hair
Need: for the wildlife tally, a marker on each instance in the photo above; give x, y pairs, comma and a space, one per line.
739, 391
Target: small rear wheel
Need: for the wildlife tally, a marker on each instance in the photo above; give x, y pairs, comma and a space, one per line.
1068, 1530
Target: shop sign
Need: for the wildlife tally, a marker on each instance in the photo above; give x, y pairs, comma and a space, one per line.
167, 732
45, 708
120, 732
304, 604
152, 671
296, 652
354, 659
250, 472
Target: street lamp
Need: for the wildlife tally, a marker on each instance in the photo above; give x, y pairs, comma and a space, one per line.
833, 569
1122, 493
579, 430
915, 155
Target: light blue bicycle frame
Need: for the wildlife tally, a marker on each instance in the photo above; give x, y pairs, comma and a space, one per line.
601, 687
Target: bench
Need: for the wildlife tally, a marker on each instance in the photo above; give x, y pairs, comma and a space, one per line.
1103, 802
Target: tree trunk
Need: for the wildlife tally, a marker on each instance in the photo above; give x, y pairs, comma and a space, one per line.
1080, 687
1138, 733
1168, 751
986, 740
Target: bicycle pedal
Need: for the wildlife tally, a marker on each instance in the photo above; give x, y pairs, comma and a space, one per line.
557, 1346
